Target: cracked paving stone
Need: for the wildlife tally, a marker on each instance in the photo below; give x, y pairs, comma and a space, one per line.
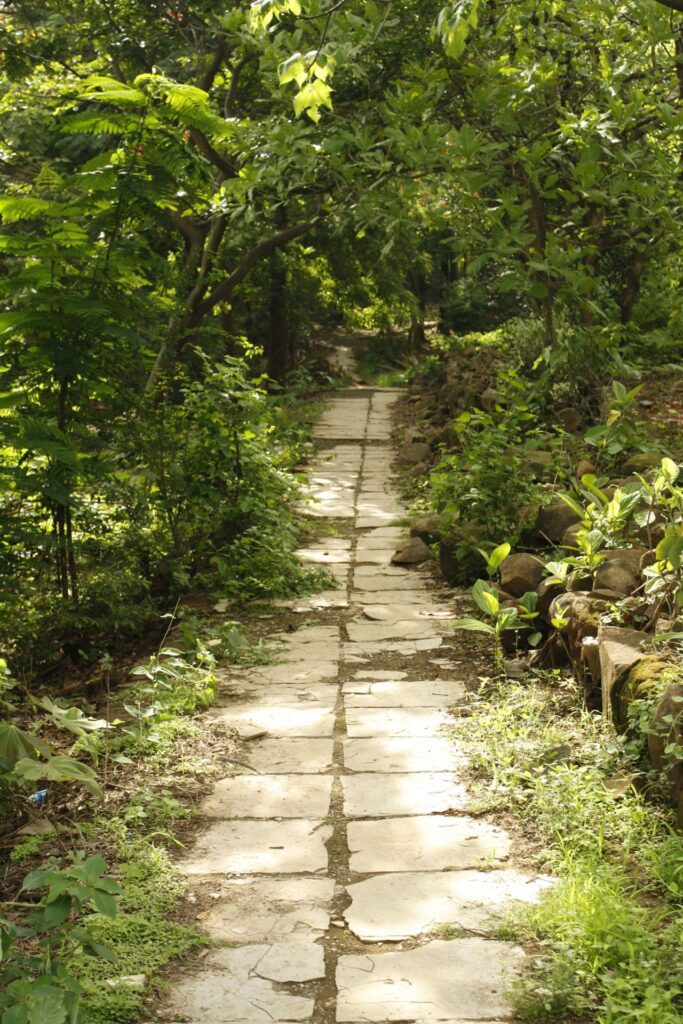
391, 754
296, 756
269, 796
229, 991
374, 796
367, 632
281, 719
259, 847
270, 909
464, 979
391, 908
389, 693
424, 843
366, 722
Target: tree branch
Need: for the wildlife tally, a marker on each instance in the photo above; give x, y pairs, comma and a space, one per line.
673, 5
222, 291
224, 164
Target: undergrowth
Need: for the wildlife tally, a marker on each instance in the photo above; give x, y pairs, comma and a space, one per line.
605, 937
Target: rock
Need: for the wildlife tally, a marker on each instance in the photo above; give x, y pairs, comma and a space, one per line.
571, 419
649, 558
413, 552
641, 462
641, 681
136, 982
583, 468
546, 592
619, 652
540, 462
521, 573
579, 584
411, 454
448, 562
37, 827
603, 594
570, 537
620, 570
666, 732
516, 668
489, 399
622, 783
427, 528
554, 520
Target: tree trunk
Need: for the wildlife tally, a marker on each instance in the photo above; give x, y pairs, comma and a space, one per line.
631, 291
277, 349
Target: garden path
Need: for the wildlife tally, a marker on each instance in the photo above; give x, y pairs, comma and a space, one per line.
344, 869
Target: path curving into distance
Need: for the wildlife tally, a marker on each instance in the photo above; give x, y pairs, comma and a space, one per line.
342, 866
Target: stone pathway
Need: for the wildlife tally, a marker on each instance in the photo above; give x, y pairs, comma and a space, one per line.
342, 865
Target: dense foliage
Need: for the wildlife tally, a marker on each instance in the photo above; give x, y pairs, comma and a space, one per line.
187, 192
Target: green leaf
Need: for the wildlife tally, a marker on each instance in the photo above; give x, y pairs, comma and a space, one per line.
105, 903
475, 626
59, 769
15, 744
485, 598
670, 469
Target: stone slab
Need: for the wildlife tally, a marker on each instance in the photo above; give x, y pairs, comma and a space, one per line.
381, 582
371, 648
372, 795
424, 843
321, 695
391, 908
290, 719
379, 674
298, 755
369, 632
392, 693
229, 991
269, 796
259, 847
464, 979
389, 754
270, 909
395, 722
301, 673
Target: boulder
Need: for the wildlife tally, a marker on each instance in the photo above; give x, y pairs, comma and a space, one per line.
641, 462
666, 731
642, 681
619, 652
583, 467
620, 570
411, 454
561, 607
554, 520
427, 527
489, 399
570, 537
547, 591
540, 462
579, 584
413, 552
611, 596
571, 419
521, 573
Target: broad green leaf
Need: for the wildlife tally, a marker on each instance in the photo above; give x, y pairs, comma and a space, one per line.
474, 625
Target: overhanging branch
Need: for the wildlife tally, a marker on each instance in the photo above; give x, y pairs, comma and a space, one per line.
223, 290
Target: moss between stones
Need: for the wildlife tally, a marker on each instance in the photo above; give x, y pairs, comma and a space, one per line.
641, 682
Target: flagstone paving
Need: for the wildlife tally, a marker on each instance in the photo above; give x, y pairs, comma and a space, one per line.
341, 855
